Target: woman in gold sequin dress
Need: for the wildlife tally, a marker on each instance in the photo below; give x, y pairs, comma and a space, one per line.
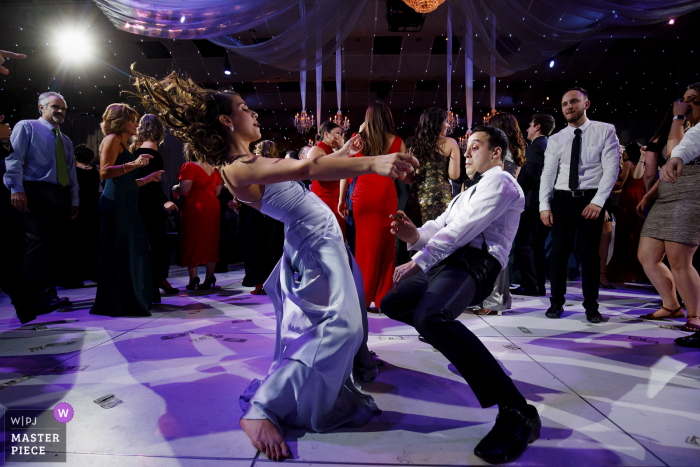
439, 158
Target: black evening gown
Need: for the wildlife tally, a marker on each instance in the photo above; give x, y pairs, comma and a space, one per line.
125, 283
262, 239
151, 201
84, 231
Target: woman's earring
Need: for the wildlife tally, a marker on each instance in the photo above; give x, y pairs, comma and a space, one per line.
231, 127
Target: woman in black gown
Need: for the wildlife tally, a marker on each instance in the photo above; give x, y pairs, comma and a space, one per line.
125, 284
150, 134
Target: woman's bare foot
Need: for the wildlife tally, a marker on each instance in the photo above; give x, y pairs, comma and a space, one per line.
266, 438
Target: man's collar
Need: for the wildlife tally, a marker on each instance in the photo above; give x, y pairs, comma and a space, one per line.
47, 124
583, 126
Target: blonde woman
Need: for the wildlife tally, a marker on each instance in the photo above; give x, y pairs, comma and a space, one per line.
125, 285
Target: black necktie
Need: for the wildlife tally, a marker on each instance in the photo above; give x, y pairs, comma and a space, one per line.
470, 183
575, 160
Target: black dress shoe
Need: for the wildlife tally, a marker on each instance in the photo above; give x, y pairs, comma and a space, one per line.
523, 291
27, 313
594, 317
510, 435
554, 312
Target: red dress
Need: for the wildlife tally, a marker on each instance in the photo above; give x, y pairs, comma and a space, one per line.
329, 191
373, 200
624, 265
199, 217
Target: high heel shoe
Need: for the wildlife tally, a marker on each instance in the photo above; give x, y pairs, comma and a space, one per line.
168, 289
207, 284
193, 283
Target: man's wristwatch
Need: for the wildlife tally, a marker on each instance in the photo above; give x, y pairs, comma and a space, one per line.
679, 117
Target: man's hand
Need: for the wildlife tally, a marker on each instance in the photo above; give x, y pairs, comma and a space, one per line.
592, 211
670, 172
680, 107
170, 206
547, 218
403, 272
19, 201
343, 209
5, 131
74, 212
402, 227
234, 205
6, 54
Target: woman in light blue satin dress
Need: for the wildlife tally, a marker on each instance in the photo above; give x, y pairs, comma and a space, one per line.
316, 288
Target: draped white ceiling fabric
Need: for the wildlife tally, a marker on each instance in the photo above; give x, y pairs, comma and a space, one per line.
527, 32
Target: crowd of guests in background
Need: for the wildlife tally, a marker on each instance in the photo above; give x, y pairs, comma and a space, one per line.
623, 214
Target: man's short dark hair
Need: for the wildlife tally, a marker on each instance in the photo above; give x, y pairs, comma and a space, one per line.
84, 154
497, 138
579, 89
546, 123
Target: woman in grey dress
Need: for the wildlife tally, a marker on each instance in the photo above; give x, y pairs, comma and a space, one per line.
316, 288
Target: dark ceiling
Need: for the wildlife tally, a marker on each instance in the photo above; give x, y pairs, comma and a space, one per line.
631, 78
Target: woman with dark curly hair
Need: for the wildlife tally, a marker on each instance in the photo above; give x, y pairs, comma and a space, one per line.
124, 281
316, 288
149, 135
439, 155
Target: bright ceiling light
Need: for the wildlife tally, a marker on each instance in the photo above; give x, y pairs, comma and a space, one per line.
74, 45
672, 21
551, 64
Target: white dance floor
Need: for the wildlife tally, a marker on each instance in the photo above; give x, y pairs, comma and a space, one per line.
620, 393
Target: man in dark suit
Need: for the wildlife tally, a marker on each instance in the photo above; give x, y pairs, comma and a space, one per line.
531, 236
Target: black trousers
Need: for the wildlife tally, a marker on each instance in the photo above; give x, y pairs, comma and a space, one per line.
529, 251
46, 225
570, 227
432, 303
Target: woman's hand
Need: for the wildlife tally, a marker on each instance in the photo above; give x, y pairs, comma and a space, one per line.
343, 208
142, 160
402, 227
154, 177
642, 206
395, 165
680, 108
170, 206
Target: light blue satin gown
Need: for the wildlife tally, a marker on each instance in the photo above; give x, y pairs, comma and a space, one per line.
318, 296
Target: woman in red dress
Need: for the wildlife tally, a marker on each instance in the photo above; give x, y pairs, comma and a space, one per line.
329, 191
373, 200
200, 184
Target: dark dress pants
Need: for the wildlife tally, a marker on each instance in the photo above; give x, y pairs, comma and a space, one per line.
570, 228
46, 225
529, 251
431, 302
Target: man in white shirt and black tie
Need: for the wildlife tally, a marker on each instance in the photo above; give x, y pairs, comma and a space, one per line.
459, 256
581, 165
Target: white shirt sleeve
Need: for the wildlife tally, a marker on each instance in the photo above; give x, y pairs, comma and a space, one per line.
430, 228
549, 175
610, 160
689, 147
489, 201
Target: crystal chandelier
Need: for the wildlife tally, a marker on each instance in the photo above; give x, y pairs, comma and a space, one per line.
463, 142
304, 122
341, 121
424, 6
452, 122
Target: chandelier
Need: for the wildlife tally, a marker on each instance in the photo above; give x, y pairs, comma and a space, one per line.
304, 122
452, 122
424, 6
488, 116
341, 121
463, 142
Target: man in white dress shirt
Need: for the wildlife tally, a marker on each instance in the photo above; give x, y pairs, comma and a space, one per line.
581, 165
459, 256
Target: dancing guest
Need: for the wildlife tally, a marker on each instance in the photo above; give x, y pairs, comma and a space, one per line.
532, 234
671, 228
500, 299
373, 200
316, 288
40, 174
581, 165
150, 134
124, 280
439, 155
624, 265
330, 138
459, 256
200, 184
83, 244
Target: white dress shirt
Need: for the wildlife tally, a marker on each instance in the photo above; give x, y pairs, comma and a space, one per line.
598, 167
689, 147
491, 207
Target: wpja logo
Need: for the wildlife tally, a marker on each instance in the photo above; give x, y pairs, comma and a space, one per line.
36, 435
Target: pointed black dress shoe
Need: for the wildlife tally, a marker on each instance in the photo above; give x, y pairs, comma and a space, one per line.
594, 317
523, 291
511, 434
554, 312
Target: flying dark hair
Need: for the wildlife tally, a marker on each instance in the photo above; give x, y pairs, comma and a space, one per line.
497, 138
545, 121
509, 124
425, 143
191, 112
378, 124
577, 88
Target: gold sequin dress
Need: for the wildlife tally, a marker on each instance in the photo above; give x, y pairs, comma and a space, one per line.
431, 192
